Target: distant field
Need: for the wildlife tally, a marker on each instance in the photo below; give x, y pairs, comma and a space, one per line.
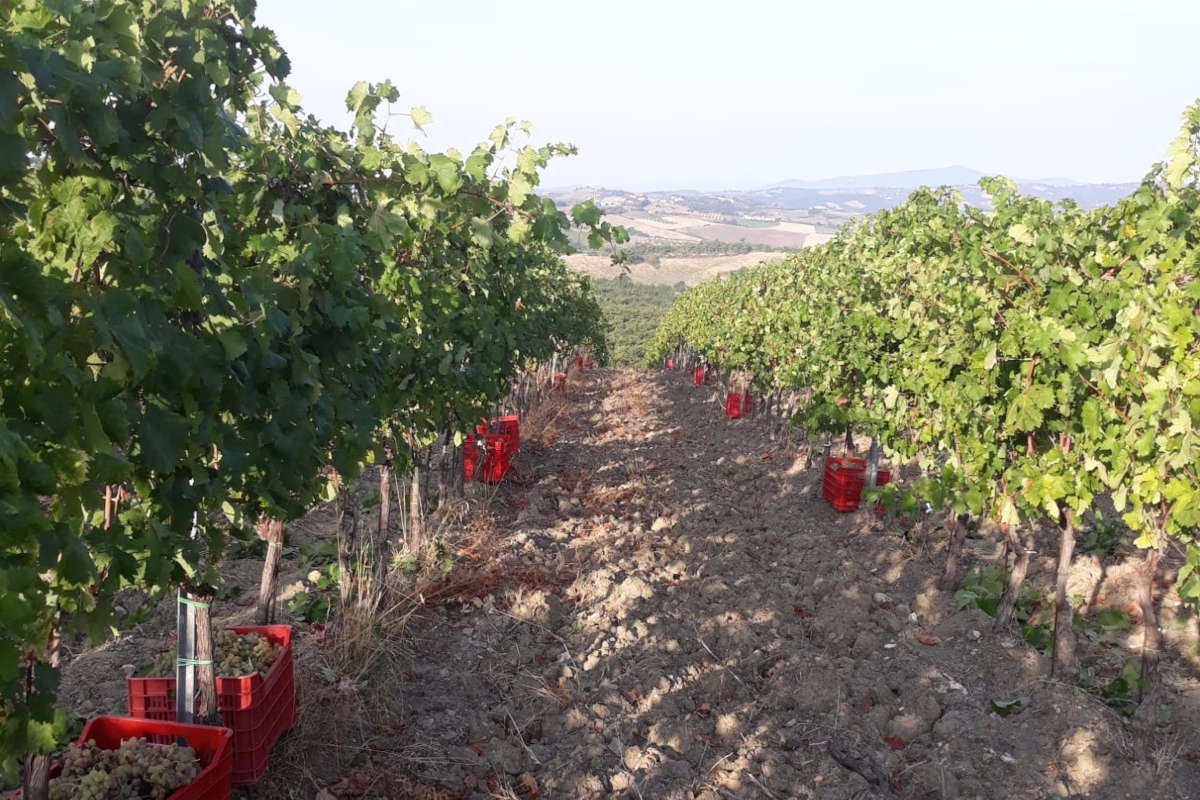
774, 236
691, 270
681, 227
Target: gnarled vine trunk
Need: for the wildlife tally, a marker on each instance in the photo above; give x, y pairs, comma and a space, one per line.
271, 531
1016, 578
1064, 635
347, 541
36, 781
1151, 639
952, 573
416, 526
207, 710
385, 499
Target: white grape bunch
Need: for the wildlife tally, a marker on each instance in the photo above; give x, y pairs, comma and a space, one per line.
243, 653
136, 770
234, 655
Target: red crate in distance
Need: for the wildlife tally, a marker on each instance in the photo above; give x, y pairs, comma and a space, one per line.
578, 362
733, 405
507, 426
698, 376
844, 480
560, 381
257, 709
739, 405
496, 459
213, 746
670, 363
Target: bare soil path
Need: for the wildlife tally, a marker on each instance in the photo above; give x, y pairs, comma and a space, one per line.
670, 610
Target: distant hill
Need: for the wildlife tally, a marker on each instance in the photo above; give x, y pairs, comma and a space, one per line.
914, 178
910, 179
688, 236
870, 199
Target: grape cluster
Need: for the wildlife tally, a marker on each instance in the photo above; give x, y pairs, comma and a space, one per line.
243, 653
136, 770
234, 655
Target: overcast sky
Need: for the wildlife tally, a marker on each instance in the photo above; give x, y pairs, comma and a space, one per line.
664, 94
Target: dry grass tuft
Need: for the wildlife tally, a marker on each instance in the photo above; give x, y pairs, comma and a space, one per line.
543, 426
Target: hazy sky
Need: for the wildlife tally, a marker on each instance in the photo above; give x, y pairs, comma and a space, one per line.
701, 94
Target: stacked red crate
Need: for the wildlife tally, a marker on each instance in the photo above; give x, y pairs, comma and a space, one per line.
257, 708
844, 481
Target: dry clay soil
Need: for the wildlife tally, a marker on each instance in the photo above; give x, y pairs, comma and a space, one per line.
672, 611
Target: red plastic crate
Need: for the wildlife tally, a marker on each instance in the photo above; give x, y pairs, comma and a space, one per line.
496, 459
844, 481
670, 363
733, 405
213, 746
578, 362
560, 381
257, 709
508, 426
698, 376
737, 405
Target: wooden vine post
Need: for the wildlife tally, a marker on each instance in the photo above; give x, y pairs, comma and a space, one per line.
385, 489
872, 476
416, 526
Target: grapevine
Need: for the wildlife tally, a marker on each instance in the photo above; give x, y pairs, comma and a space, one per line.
1027, 357
215, 310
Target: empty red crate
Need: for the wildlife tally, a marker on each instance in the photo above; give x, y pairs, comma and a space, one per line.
737, 405
733, 405
257, 709
698, 376
670, 363
496, 458
844, 480
560, 381
213, 748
